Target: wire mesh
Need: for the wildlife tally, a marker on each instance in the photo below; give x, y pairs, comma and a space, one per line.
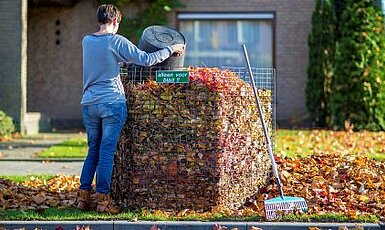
264, 78
196, 145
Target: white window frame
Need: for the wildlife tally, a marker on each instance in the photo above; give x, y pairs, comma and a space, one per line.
228, 16
218, 16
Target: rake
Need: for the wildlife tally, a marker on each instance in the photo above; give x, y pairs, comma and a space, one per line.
277, 206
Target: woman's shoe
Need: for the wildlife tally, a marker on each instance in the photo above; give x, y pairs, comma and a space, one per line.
105, 204
83, 200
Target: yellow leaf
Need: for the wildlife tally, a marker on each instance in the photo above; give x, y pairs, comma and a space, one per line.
363, 198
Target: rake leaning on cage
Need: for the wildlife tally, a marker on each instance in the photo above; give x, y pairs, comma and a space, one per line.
104, 102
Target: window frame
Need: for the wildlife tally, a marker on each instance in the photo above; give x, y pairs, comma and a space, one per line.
234, 15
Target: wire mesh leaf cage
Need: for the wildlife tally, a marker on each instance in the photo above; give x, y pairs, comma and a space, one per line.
193, 146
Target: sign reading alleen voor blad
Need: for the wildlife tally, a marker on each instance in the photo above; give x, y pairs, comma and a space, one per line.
172, 76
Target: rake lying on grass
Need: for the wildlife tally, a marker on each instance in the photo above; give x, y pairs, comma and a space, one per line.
281, 205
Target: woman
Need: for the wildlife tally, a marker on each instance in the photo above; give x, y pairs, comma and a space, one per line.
104, 103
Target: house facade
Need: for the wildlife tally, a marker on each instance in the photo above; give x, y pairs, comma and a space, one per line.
41, 53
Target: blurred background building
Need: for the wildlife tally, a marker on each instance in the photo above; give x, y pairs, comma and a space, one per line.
41, 53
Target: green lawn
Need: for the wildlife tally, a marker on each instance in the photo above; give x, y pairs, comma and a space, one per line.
294, 143
19, 179
76, 214
54, 214
72, 148
289, 143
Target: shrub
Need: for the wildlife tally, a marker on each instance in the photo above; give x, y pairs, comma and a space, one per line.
321, 56
358, 89
6, 125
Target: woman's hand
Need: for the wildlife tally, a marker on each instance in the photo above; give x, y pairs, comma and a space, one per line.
178, 48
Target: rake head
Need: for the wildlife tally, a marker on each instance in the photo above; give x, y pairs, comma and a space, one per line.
279, 206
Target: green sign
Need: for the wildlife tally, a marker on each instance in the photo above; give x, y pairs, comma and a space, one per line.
172, 76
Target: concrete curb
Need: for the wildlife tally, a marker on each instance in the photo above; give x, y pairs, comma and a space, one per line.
174, 225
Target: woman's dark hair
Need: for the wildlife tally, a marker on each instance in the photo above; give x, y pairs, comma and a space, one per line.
107, 12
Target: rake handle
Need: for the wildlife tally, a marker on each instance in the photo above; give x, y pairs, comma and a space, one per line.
266, 134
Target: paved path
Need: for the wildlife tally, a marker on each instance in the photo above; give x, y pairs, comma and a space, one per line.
18, 157
14, 168
28, 147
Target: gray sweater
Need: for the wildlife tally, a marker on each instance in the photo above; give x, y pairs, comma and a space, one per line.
101, 57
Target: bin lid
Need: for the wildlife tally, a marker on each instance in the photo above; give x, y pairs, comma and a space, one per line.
162, 36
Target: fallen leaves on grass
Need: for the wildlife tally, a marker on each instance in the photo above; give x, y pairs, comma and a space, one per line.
308, 142
339, 183
36, 194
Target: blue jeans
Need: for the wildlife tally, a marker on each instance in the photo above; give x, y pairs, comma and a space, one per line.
103, 123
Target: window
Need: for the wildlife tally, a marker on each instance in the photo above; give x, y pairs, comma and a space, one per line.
215, 39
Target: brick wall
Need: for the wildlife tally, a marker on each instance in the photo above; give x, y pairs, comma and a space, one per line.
13, 59
55, 60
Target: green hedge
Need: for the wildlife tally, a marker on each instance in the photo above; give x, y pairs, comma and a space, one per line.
321, 56
346, 65
358, 89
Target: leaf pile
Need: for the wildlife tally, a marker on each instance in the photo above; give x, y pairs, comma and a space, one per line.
330, 183
191, 146
334, 182
35, 194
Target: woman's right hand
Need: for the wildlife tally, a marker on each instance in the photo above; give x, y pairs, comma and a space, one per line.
178, 48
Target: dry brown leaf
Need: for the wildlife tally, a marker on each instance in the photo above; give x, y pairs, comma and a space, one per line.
78, 227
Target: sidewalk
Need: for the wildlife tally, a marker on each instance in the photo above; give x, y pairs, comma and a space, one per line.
18, 157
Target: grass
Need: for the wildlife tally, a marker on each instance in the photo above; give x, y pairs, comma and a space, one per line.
293, 143
54, 214
72, 148
330, 217
51, 214
60, 215
19, 179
